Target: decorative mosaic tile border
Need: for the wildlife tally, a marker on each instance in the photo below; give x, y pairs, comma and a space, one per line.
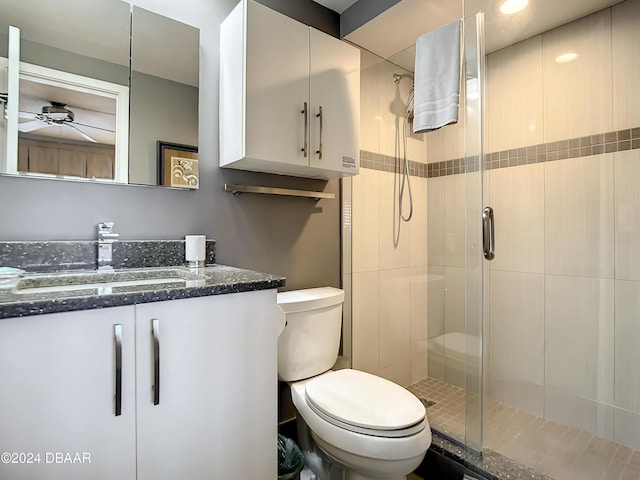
387, 163
618, 141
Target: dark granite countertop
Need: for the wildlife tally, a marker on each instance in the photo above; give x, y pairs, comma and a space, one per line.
136, 286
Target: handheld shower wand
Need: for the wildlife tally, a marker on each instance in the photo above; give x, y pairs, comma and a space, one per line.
406, 181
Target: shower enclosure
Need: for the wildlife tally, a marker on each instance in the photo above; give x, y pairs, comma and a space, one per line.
533, 354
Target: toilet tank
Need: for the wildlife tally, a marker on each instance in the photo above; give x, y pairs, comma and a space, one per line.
309, 343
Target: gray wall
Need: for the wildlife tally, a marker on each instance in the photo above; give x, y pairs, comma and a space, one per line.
298, 238
163, 110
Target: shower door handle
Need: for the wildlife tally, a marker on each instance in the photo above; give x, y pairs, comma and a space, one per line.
319, 151
305, 112
488, 235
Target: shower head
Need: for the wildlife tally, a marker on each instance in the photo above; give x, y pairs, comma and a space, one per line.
397, 77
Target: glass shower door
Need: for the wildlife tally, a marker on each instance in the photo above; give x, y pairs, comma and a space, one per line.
479, 245
453, 387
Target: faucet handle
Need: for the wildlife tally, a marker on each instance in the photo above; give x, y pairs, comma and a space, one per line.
105, 227
105, 232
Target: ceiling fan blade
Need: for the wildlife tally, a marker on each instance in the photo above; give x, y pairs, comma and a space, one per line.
84, 135
92, 126
32, 125
29, 115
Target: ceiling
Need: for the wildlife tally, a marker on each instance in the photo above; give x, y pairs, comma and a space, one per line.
397, 28
336, 5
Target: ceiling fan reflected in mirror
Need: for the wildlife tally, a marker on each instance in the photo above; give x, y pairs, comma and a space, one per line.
55, 115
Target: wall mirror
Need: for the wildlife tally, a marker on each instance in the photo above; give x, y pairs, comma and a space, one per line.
90, 90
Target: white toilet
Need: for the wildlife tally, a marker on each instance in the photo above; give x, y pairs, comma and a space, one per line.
371, 427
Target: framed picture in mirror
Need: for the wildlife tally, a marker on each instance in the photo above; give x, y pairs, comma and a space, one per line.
178, 165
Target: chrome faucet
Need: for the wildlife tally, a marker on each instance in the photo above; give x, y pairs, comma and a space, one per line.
106, 237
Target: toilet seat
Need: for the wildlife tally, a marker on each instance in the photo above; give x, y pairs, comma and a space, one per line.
364, 403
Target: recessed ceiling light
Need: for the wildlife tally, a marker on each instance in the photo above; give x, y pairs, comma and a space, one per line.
566, 57
513, 6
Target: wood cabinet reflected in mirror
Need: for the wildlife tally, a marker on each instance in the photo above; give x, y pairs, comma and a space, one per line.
86, 107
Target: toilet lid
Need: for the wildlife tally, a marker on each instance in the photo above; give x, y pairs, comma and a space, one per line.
364, 401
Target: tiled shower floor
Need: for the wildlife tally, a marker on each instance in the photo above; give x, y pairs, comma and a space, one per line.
561, 452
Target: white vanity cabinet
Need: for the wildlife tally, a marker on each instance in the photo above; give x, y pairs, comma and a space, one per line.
216, 412
57, 396
289, 96
198, 385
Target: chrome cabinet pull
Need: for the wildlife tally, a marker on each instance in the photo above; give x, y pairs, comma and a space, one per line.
305, 112
117, 342
319, 151
488, 235
155, 333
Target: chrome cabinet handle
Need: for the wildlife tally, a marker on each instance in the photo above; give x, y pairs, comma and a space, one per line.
488, 234
305, 112
155, 333
319, 151
117, 342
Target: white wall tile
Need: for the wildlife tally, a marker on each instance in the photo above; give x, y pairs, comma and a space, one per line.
436, 318
366, 220
473, 225
579, 336
416, 145
435, 301
435, 220
516, 338
418, 232
514, 97
627, 214
579, 217
455, 203
394, 234
435, 146
626, 428
627, 340
580, 350
454, 140
454, 299
435, 364
366, 321
579, 412
419, 368
578, 95
370, 117
626, 65
517, 199
399, 373
392, 106
419, 291
395, 317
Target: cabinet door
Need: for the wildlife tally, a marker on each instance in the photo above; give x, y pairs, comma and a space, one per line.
277, 87
57, 398
335, 87
216, 411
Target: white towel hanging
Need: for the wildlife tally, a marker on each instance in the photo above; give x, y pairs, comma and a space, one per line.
437, 78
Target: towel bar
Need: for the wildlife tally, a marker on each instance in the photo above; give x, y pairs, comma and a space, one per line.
238, 189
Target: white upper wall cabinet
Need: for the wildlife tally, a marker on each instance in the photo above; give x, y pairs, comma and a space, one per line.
289, 96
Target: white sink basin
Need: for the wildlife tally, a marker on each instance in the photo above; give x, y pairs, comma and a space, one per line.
104, 282
99, 285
